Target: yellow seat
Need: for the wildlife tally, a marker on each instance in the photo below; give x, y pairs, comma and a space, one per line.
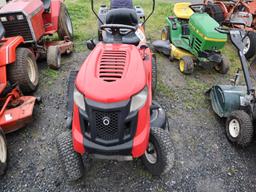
182, 10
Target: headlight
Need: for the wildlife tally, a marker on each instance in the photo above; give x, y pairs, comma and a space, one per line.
3, 19
139, 100
79, 99
20, 17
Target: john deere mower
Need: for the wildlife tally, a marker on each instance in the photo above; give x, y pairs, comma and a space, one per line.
112, 108
236, 103
190, 37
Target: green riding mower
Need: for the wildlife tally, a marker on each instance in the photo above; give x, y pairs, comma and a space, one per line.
236, 103
190, 37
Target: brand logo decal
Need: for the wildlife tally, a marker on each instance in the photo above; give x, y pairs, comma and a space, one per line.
106, 121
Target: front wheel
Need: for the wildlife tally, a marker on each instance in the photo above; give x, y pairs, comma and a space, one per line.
3, 153
159, 156
71, 161
54, 57
239, 128
24, 71
223, 66
186, 65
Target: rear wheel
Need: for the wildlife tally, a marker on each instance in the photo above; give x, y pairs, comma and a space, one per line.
249, 45
54, 57
223, 66
154, 75
71, 161
239, 128
186, 65
216, 12
165, 35
65, 28
3, 153
24, 71
159, 156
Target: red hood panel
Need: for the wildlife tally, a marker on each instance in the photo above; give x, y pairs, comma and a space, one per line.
112, 73
27, 6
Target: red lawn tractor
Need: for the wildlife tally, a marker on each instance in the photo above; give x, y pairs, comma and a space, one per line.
112, 113
18, 71
36, 19
239, 11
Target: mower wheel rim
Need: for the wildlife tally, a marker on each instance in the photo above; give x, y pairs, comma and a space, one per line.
69, 24
247, 44
182, 66
31, 71
234, 128
151, 154
3, 150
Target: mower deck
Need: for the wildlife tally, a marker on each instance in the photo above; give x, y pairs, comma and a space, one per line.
15, 118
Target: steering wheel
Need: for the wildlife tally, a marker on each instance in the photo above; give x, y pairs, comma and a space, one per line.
118, 29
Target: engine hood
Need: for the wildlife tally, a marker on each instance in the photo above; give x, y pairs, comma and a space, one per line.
112, 73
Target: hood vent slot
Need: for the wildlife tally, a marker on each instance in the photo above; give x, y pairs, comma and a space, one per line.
112, 65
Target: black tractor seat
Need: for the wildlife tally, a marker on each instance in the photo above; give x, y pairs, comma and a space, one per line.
123, 16
47, 5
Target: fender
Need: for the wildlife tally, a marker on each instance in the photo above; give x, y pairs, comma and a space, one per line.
8, 49
53, 17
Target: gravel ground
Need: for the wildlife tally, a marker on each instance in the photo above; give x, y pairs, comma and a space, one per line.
205, 160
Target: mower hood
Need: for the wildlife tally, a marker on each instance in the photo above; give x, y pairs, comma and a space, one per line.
112, 73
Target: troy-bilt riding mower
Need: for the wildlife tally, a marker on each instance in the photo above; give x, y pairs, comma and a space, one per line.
237, 11
236, 103
34, 20
111, 113
18, 71
190, 37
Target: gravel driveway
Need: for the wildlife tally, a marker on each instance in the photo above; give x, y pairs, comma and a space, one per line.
205, 160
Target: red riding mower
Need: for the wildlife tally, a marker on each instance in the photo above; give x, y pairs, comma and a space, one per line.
36, 19
239, 11
18, 71
110, 102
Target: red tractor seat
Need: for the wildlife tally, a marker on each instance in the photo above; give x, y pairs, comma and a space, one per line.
47, 5
124, 16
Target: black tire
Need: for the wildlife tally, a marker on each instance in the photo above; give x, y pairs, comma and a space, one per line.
24, 71
71, 161
65, 27
186, 65
70, 97
165, 34
54, 57
158, 117
164, 151
215, 12
4, 153
244, 136
223, 67
154, 75
250, 42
